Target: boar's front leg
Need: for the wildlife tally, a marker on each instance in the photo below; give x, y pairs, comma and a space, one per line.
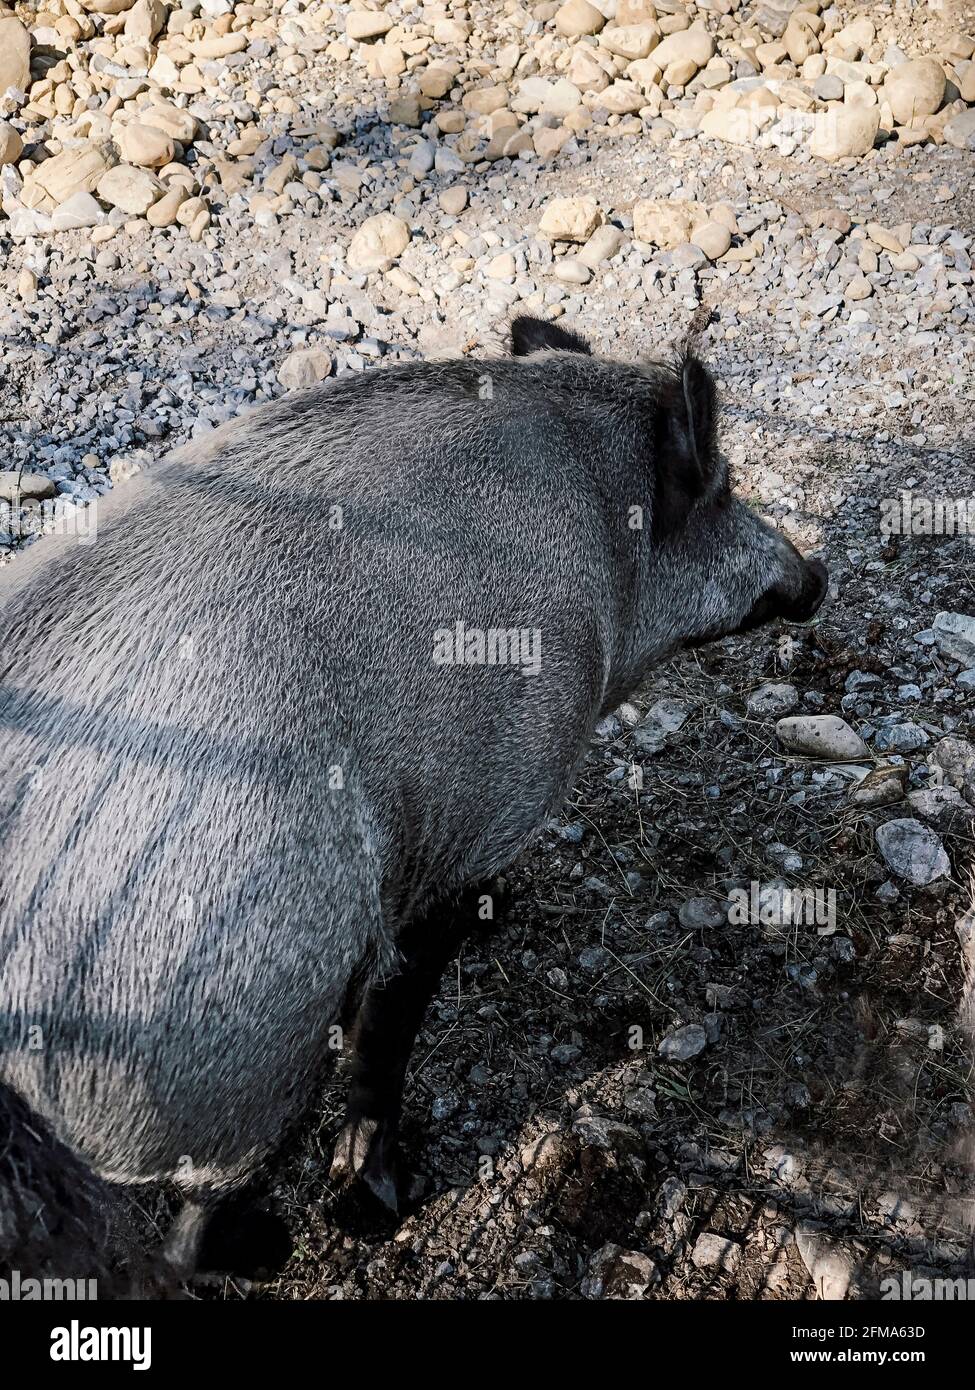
386, 1027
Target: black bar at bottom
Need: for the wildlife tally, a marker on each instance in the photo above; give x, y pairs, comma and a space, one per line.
170, 1340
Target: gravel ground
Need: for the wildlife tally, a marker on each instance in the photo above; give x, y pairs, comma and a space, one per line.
651, 1080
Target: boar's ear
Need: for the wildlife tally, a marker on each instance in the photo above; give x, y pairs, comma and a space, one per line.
687, 461
535, 335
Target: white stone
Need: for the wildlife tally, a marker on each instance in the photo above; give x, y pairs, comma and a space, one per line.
132, 189
622, 98
75, 170
912, 851
570, 219
572, 271
601, 246
960, 131
915, 88
146, 146
578, 17
666, 222
713, 238
688, 45
844, 131
11, 145
630, 41
362, 25
304, 367
14, 54
80, 210
378, 242
178, 124
955, 636
822, 736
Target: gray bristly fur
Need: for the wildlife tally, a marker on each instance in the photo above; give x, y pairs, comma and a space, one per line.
231, 765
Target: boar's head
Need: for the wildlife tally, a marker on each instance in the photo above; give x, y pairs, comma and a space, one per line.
712, 567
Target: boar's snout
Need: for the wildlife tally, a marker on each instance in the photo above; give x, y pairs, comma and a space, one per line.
795, 595
814, 589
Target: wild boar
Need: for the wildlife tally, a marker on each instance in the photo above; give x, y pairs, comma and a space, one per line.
321, 677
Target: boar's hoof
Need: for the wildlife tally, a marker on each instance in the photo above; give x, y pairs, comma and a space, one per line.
176, 1261
366, 1152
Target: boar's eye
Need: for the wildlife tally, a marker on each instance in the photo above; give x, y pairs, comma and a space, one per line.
535, 335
